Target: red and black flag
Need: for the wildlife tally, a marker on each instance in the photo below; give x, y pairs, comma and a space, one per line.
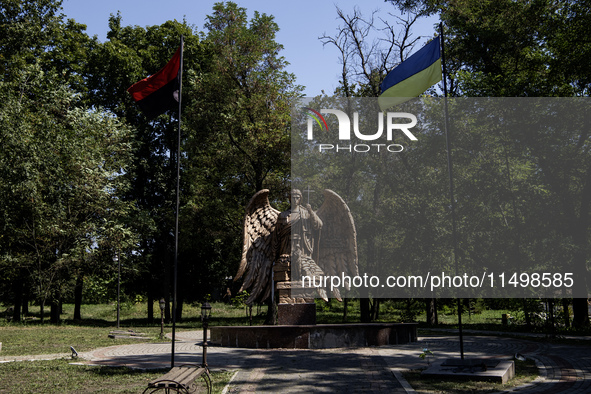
159, 92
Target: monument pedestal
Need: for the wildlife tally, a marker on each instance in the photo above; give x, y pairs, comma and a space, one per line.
320, 336
296, 314
296, 305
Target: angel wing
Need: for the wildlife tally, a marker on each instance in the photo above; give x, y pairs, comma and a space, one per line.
257, 251
337, 246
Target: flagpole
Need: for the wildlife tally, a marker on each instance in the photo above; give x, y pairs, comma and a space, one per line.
176, 228
451, 183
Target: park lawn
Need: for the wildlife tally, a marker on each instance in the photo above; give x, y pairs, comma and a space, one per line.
58, 376
30, 337
22, 340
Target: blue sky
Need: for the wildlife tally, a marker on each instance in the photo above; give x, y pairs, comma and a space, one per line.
300, 22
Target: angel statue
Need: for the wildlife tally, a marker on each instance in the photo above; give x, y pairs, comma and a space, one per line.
313, 244
294, 238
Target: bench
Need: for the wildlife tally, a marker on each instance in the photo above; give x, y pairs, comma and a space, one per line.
181, 379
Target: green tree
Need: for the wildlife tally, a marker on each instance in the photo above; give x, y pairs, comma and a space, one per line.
35, 32
238, 121
248, 94
522, 48
61, 167
62, 162
130, 54
26, 28
369, 48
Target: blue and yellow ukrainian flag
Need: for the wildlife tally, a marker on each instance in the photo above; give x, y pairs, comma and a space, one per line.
413, 76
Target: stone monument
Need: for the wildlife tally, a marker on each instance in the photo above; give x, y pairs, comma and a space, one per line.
282, 248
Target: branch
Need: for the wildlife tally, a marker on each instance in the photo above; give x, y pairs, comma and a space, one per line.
365, 59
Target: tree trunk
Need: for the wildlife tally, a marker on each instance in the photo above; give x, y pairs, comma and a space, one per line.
580, 305
580, 312
375, 309
271, 318
179, 308
552, 323
526, 313
431, 306
78, 297
54, 314
167, 314
565, 312
167, 289
18, 301
26, 298
25, 306
579, 232
364, 309
150, 306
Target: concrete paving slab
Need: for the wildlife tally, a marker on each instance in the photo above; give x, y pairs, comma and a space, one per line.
498, 371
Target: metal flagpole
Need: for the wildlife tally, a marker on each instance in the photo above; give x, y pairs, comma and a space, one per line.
176, 228
451, 184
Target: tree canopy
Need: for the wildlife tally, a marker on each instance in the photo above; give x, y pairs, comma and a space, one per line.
86, 177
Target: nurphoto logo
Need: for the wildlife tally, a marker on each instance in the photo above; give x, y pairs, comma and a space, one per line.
394, 122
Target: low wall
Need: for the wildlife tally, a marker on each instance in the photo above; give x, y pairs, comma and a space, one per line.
320, 336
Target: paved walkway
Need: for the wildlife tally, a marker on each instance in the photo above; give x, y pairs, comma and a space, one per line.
564, 368
265, 371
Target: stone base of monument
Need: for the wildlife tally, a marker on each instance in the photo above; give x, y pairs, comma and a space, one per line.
490, 370
296, 314
320, 336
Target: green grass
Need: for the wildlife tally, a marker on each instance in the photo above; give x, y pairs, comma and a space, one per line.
20, 340
525, 372
492, 317
58, 376
31, 337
